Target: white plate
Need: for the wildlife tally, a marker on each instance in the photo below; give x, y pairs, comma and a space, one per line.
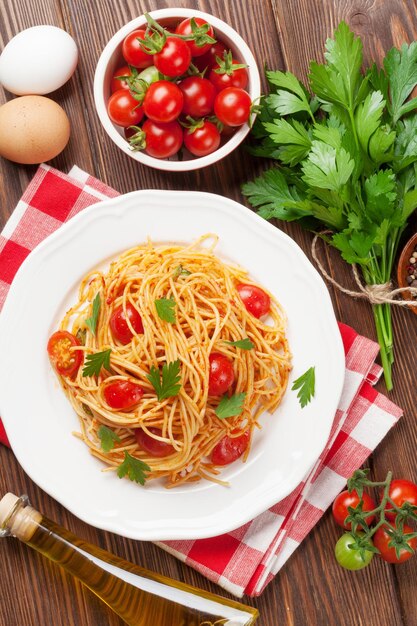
39, 419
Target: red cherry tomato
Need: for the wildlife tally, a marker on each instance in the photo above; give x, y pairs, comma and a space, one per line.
255, 299
118, 323
163, 101
152, 446
122, 394
221, 375
174, 59
185, 28
123, 109
208, 59
236, 78
381, 540
232, 106
162, 140
199, 94
401, 491
132, 51
63, 357
229, 449
203, 140
116, 83
346, 499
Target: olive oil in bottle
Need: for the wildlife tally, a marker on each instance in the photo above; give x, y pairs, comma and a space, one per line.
138, 596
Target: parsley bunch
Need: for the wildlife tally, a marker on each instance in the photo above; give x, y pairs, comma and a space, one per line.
347, 153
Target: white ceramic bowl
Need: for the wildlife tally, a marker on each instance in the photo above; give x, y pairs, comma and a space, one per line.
111, 58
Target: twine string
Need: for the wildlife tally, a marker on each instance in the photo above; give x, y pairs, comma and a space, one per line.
375, 294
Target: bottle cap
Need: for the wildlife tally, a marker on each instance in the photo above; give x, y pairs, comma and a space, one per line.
7, 504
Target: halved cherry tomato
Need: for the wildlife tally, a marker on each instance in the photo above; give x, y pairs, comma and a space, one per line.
174, 59
382, 538
132, 51
255, 299
152, 446
346, 499
123, 109
205, 139
221, 376
185, 28
122, 394
117, 83
60, 349
229, 449
199, 94
232, 106
163, 101
118, 324
401, 491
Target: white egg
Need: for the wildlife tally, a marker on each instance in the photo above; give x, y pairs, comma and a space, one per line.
38, 60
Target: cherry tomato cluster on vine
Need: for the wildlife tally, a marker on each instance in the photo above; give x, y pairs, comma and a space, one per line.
178, 87
376, 527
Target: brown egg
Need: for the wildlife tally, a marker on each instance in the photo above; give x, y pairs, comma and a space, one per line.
33, 129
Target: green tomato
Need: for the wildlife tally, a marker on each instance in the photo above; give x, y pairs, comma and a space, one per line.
350, 558
150, 75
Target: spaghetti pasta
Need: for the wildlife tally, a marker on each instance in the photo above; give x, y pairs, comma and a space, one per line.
204, 315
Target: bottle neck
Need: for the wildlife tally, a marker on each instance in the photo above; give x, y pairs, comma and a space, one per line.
18, 518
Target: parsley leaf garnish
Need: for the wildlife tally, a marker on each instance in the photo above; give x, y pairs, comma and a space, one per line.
133, 468
91, 322
170, 384
107, 438
243, 344
230, 407
165, 307
306, 385
180, 271
94, 363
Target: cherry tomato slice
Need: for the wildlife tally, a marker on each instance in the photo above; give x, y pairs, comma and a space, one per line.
132, 51
185, 28
152, 446
381, 540
229, 449
65, 360
221, 376
122, 394
123, 109
174, 59
118, 324
255, 299
162, 140
346, 499
401, 491
203, 140
163, 101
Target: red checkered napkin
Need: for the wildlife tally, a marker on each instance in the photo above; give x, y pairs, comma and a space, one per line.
246, 560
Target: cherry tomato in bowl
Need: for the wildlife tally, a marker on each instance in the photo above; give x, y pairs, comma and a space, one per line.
400, 492
122, 394
221, 374
61, 352
229, 73
203, 35
132, 51
119, 326
208, 59
232, 106
229, 449
152, 446
345, 500
174, 59
162, 140
123, 109
202, 140
255, 299
117, 81
163, 101
199, 94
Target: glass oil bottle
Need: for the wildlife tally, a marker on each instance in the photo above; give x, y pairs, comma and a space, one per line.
138, 596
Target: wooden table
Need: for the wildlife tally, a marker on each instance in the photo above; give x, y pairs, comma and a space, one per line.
311, 589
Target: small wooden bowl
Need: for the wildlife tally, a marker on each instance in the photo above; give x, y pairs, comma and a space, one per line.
403, 263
